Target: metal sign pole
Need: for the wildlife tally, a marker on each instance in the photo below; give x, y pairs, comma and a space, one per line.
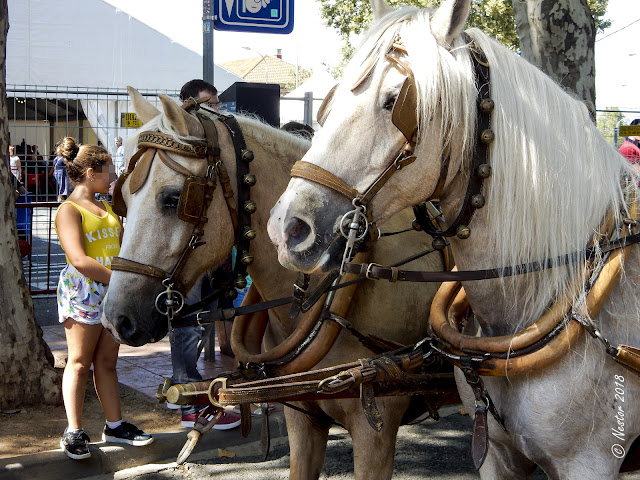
207, 42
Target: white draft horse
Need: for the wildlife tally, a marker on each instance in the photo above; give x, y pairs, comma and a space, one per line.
554, 180
155, 236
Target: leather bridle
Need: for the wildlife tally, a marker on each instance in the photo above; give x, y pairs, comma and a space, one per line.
404, 117
197, 193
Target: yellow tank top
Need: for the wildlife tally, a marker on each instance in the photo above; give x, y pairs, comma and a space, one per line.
101, 234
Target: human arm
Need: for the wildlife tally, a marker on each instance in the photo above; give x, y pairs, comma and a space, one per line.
19, 166
69, 227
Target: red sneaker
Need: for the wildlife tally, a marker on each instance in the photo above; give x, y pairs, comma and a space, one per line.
189, 420
227, 421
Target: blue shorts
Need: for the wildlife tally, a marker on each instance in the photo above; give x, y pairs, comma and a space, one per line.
79, 297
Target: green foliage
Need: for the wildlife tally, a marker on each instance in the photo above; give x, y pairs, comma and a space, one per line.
607, 122
495, 17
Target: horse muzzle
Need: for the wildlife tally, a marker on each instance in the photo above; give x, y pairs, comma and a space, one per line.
307, 232
135, 321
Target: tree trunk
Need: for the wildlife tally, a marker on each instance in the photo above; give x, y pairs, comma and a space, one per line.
27, 376
558, 36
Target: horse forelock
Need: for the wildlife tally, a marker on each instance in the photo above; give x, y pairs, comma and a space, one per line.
443, 78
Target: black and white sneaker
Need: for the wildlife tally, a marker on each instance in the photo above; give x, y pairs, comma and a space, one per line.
74, 444
126, 433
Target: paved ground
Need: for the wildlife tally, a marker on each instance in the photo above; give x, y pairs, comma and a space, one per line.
430, 450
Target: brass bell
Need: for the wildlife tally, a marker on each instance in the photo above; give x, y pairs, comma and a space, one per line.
477, 200
246, 258
240, 282
463, 232
249, 179
249, 233
487, 136
247, 155
486, 105
231, 294
416, 226
250, 206
439, 243
484, 170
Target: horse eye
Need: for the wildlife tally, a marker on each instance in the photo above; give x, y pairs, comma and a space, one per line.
388, 105
169, 200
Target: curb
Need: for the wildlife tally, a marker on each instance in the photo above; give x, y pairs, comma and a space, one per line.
109, 458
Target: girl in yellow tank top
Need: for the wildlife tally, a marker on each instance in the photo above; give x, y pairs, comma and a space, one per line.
101, 233
89, 234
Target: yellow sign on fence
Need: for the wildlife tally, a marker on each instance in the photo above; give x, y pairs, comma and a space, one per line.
129, 120
630, 130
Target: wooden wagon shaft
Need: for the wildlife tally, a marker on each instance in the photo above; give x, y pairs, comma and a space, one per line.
197, 393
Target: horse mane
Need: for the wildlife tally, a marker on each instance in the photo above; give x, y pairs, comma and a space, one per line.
555, 177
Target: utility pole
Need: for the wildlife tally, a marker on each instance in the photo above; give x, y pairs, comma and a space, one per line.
207, 42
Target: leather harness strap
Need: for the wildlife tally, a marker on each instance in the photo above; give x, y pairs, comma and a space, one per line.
316, 174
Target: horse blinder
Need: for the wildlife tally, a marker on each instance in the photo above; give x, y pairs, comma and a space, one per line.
194, 199
118, 205
323, 111
403, 114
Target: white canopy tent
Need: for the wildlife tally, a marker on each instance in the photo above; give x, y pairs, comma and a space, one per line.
89, 44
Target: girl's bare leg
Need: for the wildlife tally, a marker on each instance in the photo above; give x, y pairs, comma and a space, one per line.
105, 376
81, 341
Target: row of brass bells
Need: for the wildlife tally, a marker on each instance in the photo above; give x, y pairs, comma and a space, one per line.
483, 171
248, 232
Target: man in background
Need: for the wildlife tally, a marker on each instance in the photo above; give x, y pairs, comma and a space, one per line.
118, 158
196, 89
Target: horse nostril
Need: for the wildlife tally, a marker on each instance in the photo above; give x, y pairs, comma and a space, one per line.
297, 231
125, 328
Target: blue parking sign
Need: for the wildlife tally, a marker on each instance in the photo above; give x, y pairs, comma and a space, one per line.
265, 16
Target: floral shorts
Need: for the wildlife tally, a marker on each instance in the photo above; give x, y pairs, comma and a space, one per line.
79, 297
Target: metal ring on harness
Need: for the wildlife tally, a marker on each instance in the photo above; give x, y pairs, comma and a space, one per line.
212, 395
169, 302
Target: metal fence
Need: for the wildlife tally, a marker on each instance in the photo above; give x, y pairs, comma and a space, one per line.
609, 122
39, 117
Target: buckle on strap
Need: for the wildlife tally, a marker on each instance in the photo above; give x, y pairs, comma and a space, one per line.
368, 273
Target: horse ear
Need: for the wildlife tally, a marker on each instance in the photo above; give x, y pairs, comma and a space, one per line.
143, 107
185, 124
449, 20
380, 8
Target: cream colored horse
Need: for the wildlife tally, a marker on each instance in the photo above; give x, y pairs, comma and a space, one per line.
555, 180
155, 236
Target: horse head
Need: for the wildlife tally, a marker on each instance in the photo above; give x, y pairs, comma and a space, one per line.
154, 194
392, 99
